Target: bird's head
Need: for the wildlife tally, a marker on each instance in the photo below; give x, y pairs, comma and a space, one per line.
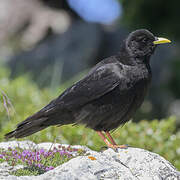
142, 43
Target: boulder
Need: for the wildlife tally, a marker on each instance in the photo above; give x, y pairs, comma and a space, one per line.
125, 164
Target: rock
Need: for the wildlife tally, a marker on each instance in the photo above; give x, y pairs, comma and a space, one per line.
125, 164
5, 169
14, 144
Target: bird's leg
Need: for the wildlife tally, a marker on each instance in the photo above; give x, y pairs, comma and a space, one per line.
113, 145
113, 142
110, 138
104, 138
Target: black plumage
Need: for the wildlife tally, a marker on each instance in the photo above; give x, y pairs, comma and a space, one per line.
107, 96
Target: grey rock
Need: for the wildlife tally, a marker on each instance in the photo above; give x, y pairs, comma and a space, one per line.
5, 169
125, 164
20, 144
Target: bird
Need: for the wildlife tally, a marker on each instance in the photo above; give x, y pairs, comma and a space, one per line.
108, 96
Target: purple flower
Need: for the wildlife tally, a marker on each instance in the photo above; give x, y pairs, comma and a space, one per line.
29, 162
33, 158
41, 151
69, 155
49, 168
14, 152
24, 153
50, 153
39, 165
19, 156
46, 154
55, 150
62, 152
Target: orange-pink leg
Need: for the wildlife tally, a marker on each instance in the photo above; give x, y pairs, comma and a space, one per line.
113, 145
110, 138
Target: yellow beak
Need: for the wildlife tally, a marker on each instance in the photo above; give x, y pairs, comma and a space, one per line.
161, 41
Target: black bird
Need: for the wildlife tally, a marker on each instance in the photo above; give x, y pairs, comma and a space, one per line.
107, 97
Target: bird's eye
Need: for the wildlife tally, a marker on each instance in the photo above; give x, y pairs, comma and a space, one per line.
144, 40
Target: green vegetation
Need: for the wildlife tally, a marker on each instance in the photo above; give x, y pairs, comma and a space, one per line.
37, 161
160, 137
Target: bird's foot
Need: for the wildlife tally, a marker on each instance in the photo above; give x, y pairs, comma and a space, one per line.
109, 145
124, 146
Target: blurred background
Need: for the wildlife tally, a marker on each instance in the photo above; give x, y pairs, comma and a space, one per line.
46, 45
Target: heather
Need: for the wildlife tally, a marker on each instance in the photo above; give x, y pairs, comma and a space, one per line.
37, 161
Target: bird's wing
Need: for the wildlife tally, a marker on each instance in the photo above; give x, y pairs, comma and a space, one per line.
97, 83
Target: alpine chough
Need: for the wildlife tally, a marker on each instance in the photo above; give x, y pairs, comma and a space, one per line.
107, 97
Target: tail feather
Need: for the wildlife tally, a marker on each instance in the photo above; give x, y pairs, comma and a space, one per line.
47, 116
27, 128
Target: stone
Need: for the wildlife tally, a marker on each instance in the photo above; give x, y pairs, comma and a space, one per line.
125, 164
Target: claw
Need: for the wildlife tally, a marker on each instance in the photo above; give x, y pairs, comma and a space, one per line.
109, 145
124, 146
